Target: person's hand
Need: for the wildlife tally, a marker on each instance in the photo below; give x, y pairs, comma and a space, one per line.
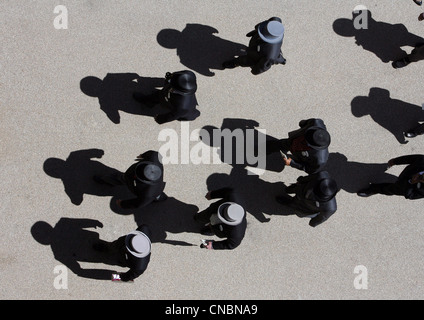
287, 161
208, 196
209, 245
98, 224
390, 163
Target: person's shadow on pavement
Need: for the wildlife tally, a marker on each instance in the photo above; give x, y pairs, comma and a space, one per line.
198, 48
257, 195
115, 94
77, 171
72, 245
240, 144
352, 176
383, 39
164, 218
394, 115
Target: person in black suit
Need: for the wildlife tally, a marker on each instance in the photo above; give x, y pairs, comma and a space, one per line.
315, 197
264, 47
308, 146
177, 95
409, 184
144, 179
225, 218
133, 249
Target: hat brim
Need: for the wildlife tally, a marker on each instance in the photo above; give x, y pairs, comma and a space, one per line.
267, 39
221, 217
128, 246
143, 178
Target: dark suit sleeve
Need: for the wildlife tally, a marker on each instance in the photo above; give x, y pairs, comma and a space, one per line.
228, 244
329, 209
234, 237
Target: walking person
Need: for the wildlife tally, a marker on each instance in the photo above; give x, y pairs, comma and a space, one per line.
133, 251
409, 184
264, 49
144, 179
308, 146
315, 197
177, 95
225, 218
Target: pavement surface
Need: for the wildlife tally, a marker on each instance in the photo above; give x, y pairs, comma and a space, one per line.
56, 130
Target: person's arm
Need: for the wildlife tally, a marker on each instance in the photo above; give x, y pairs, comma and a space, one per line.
323, 216
409, 159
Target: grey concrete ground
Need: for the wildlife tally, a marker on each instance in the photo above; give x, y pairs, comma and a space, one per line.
45, 115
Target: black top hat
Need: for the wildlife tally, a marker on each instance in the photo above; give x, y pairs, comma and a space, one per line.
184, 82
325, 189
318, 138
147, 171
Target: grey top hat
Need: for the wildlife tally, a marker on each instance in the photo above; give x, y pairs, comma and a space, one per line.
138, 244
325, 189
231, 213
319, 138
271, 31
184, 81
148, 171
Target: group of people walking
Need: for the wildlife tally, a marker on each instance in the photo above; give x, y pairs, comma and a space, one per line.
305, 149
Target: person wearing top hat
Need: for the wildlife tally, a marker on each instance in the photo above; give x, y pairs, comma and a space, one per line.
225, 218
264, 47
177, 95
308, 146
144, 179
315, 197
409, 184
134, 250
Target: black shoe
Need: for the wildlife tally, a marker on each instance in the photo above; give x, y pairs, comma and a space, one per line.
161, 197
365, 193
231, 64
401, 63
410, 134
418, 2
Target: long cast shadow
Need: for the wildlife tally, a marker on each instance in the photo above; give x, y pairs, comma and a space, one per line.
383, 39
115, 94
77, 171
257, 195
198, 48
394, 115
171, 216
351, 176
72, 245
240, 144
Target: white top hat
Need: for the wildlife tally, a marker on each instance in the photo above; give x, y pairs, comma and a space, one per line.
138, 244
231, 213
